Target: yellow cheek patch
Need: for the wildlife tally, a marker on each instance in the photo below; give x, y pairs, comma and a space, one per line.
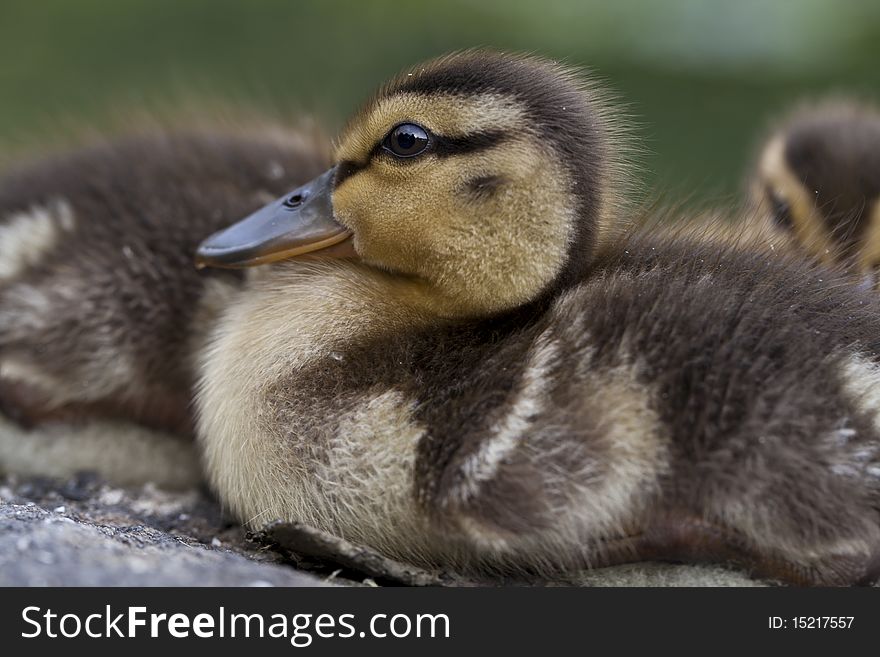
442, 114
483, 252
374, 207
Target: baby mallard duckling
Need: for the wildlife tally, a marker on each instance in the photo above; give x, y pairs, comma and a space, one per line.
818, 183
485, 380
101, 310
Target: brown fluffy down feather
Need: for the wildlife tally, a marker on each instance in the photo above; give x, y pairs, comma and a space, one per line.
103, 318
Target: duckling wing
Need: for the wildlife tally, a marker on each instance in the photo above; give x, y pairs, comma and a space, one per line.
682, 404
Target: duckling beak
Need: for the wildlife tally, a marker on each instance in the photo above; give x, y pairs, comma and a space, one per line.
298, 223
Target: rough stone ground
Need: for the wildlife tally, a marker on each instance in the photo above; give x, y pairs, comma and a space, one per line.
83, 532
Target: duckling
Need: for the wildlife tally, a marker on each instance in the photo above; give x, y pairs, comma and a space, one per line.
457, 360
100, 308
817, 182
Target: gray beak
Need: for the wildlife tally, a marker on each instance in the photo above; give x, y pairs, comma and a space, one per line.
299, 223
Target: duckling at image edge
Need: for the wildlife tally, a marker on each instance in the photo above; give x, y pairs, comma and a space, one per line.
817, 182
101, 310
483, 378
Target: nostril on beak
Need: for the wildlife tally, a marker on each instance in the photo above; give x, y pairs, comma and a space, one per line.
294, 200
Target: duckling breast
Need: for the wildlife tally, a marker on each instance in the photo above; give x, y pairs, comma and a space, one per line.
492, 443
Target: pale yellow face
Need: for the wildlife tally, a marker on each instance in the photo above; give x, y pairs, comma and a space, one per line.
485, 228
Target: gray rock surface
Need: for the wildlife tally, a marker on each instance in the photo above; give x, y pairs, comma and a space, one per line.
82, 532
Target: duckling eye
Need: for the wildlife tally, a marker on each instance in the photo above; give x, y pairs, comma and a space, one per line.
406, 140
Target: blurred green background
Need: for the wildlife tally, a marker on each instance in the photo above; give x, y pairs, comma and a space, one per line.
703, 77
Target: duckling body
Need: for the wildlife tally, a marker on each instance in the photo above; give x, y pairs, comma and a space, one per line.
677, 406
100, 306
489, 383
818, 183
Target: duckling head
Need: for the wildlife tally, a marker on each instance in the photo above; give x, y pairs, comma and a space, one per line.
818, 182
484, 178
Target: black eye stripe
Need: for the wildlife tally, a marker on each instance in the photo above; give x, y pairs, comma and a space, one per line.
440, 146
345, 170
472, 143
